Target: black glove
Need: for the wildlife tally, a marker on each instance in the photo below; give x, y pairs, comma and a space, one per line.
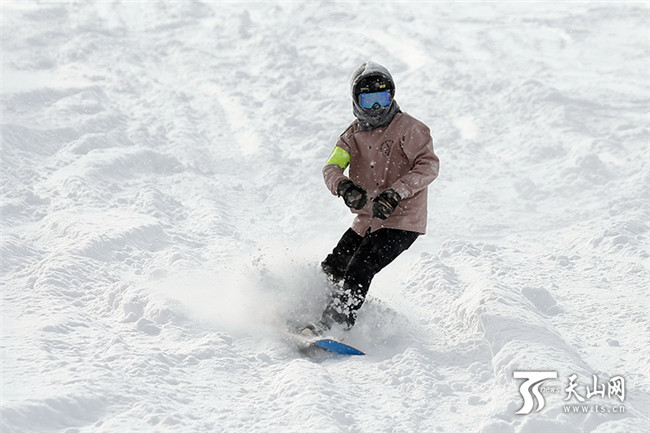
353, 195
385, 204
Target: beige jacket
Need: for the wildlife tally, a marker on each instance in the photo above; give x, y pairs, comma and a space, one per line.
399, 156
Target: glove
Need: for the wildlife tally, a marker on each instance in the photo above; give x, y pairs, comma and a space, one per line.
385, 203
354, 196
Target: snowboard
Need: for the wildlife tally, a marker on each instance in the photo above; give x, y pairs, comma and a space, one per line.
323, 347
336, 347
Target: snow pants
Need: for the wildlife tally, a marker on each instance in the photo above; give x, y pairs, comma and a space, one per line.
352, 265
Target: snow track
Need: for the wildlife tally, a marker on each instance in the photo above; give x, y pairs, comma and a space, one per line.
163, 216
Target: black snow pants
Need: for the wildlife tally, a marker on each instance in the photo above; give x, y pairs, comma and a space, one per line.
355, 261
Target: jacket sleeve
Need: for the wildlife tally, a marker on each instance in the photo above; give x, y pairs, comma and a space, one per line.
336, 164
418, 148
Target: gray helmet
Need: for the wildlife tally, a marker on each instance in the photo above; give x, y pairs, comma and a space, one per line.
372, 77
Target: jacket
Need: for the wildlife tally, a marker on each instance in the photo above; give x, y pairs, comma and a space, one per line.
399, 156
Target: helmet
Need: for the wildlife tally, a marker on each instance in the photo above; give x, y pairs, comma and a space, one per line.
371, 77
372, 84
375, 110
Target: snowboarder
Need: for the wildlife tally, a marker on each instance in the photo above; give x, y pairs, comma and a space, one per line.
391, 162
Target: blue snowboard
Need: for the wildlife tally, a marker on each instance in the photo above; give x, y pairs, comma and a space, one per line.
321, 348
336, 347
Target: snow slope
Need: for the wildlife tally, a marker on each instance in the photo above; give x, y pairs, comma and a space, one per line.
163, 215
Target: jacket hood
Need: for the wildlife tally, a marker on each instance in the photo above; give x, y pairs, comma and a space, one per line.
368, 69
372, 118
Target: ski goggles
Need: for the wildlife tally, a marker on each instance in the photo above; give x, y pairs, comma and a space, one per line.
374, 100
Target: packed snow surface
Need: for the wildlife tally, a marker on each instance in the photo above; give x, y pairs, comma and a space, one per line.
164, 216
